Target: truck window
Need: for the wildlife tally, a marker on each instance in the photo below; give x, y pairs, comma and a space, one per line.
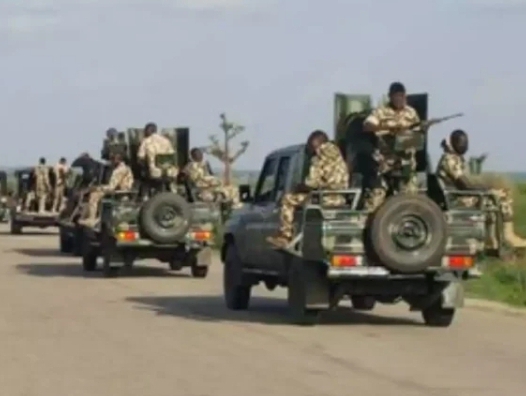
266, 182
281, 178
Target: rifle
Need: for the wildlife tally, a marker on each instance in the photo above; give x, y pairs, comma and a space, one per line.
425, 124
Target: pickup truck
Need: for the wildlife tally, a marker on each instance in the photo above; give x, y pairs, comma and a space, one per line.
418, 248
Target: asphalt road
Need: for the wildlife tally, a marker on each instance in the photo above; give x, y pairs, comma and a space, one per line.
159, 333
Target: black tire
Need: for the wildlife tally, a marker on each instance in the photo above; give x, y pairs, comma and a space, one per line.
65, 241
89, 256
170, 205
408, 233
16, 228
236, 292
363, 303
436, 316
199, 271
296, 297
77, 242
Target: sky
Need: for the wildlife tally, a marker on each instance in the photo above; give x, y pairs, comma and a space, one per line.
70, 69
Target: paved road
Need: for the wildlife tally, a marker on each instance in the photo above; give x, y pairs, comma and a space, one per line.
164, 334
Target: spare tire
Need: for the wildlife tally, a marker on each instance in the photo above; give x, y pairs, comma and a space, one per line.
408, 233
165, 218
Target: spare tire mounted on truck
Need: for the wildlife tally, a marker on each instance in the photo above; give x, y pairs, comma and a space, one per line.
408, 233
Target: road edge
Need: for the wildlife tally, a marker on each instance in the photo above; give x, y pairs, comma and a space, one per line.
493, 306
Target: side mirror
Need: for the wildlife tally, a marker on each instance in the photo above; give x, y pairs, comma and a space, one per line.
245, 195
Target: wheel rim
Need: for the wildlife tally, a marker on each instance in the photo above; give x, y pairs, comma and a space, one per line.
168, 217
410, 233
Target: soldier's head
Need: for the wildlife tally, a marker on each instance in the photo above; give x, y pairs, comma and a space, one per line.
459, 142
42, 161
397, 97
150, 129
111, 133
315, 140
196, 154
62, 161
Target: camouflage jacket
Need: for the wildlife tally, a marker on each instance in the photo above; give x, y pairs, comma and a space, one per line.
451, 167
121, 179
391, 117
61, 172
153, 145
42, 182
200, 176
328, 169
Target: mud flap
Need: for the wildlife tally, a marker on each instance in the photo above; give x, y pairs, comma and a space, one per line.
310, 278
204, 257
453, 295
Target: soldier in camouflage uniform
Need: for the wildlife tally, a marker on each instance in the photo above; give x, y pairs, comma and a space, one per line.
152, 145
121, 180
42, 187
394, 117
328, 171
198, 173
61, 171
451, 171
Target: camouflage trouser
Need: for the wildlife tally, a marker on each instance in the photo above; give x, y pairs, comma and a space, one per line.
290, 202
93, 204
58, 197
168, 171
41, 198
376, 194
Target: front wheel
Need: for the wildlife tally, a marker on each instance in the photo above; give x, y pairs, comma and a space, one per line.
235, 291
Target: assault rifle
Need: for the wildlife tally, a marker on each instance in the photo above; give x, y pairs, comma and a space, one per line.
423, 125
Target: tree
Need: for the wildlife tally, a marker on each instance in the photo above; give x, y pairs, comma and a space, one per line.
223, 150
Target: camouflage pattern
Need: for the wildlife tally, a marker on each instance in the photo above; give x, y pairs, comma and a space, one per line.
42, 186
452, 167
121, 180
154, 146
387, 161
209, 185
61, 172
328, 171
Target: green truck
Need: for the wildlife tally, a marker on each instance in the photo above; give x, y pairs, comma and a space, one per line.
418, 248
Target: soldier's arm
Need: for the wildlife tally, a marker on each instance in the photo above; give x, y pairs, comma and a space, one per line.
455, 170
373, 122
314, 178
115, 180
141, 153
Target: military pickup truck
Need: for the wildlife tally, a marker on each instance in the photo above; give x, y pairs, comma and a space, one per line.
418, 248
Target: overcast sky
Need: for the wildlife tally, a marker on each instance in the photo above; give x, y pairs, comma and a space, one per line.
69, 69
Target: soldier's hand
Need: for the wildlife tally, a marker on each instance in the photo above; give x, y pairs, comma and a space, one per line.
301, 188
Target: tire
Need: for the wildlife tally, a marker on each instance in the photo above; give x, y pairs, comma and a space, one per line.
408, 233
236, 292
65, 242
199, 271
167, 231
436, 316
16, 228
77, 242
296, 297
89, 256
363, 303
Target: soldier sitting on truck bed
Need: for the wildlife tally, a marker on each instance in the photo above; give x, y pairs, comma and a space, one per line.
198, 173
121, 180
155, 144
394, 117
328, 171
451, 172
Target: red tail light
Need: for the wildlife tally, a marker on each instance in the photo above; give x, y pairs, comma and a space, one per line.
344, 261
459, 262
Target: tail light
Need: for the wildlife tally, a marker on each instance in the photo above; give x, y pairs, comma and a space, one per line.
127, 236
340, 260
460, 262
201, 236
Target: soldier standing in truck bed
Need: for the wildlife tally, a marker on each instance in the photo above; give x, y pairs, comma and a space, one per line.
42, 186
152, 145
451, 171
391, 118
328, 171
198, 172
61, 171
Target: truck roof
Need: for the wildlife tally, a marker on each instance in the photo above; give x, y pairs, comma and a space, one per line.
288, 149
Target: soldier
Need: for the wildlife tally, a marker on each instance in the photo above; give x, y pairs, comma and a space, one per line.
42, 185
198, 172
121, 180
452, 172
328, 171
155, 144
61, 171
396, 116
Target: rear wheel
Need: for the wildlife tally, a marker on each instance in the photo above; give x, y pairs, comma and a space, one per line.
363, 303
437, 316
199, 271
16, 228
89, 255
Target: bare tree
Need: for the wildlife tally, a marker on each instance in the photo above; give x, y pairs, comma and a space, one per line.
222, 150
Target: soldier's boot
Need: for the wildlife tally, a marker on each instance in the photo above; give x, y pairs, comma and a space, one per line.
511, 237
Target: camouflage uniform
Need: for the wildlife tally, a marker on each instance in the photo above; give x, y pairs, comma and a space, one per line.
152, 146
209, 185
404, 118
328, 171
42, 188
61, 172
121, 180
451, 168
